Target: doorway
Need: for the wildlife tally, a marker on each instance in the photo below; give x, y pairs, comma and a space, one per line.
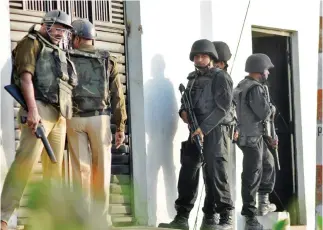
277, 45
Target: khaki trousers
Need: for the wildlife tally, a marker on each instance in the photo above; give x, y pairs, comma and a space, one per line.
29, 152
89, 143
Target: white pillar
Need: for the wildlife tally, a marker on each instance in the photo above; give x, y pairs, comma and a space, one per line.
7, 141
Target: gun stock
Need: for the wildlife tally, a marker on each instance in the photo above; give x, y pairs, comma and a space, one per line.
15, 92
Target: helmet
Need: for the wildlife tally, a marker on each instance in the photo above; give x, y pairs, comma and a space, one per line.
57, 16
257, 63
223, 50
203, 46
84, 28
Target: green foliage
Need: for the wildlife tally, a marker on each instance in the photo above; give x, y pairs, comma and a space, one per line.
55, 207
281, 225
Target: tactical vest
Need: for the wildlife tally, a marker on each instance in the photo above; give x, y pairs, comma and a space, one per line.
202, 94
92, 93
51, 80
248, 124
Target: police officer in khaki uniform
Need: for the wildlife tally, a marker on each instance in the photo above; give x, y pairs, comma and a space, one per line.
40, 69
90, 125
253, 109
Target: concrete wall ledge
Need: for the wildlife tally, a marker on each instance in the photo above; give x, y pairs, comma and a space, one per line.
268, 221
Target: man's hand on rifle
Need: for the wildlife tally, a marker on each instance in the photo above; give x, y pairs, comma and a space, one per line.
184, 116
273, 111
235, 135
272, 143
33, 119
200, 133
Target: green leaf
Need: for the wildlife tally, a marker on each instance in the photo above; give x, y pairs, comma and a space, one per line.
280, 225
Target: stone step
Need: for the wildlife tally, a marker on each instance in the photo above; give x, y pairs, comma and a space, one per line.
21, 227
117, 209
119, 199
114, 199
114, 209
301, 227
122, 220
116, 220
267, 221
119, 189
120, 179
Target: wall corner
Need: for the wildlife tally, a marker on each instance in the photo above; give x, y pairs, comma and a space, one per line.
137, 119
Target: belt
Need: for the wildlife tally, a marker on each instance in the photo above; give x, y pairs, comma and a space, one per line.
93, 113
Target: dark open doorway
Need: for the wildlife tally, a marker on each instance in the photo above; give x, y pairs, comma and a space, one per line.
280, 84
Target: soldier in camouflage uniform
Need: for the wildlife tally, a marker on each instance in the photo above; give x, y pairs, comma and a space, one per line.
253, 108
40, 70
98, 83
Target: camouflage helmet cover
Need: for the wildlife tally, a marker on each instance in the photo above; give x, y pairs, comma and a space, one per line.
223, 50
57, 16
84, 28
203, 46
258, 63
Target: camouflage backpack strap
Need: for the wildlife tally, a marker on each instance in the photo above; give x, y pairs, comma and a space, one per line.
32, 33
105, 57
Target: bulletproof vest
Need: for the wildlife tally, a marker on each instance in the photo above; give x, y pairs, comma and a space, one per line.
51, 68
200, 89
92, 92
248, 123
231, 115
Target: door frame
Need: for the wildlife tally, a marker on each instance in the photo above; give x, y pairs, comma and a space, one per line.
295, 111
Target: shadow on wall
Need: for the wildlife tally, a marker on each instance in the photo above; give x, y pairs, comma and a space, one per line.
161, 115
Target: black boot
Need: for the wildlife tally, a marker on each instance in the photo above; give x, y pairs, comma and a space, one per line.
253, 224
226, 222
179, 222
210, 222
264, 205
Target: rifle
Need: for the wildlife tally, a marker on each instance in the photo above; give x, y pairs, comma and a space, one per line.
15, 92
234, 122
193, 125
270, 134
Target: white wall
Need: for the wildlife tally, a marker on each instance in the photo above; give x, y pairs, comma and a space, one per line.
169, 29
7, 138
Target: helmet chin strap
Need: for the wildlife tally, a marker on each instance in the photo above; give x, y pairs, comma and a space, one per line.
263, 78
202, 69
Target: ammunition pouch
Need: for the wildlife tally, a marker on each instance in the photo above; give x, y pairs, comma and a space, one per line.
189, 153
73, 80
66, 83
65, 99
